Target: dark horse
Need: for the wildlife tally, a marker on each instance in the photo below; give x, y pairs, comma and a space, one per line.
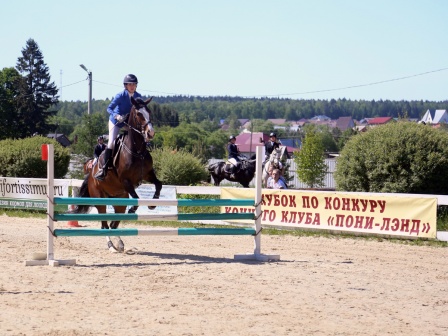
132, 165
243, 176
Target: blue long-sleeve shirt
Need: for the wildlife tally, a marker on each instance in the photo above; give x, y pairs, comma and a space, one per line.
121, 105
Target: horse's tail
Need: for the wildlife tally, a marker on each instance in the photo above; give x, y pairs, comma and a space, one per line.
83, 192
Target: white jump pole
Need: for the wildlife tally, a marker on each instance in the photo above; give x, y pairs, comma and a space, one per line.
257, 255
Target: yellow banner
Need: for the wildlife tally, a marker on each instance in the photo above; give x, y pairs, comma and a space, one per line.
386, 215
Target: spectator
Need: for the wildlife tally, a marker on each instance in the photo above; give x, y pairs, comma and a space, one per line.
275, 182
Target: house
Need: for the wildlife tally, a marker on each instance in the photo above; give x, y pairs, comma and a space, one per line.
379, 121
435, 117
61, 138
345, 123
296, 126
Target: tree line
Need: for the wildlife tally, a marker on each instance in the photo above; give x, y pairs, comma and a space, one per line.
29, 105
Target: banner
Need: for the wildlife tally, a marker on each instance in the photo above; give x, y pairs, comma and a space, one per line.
29, 193
386, 215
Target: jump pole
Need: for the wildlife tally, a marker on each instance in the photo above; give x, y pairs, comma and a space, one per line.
48, 155
257, 255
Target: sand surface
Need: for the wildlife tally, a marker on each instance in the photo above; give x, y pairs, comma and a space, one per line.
192, 286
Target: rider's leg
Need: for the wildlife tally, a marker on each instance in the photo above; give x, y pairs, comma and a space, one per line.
234, 168
113, 132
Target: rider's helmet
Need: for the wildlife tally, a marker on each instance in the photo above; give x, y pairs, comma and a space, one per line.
100, 138
130, 78
232, 137
272, 135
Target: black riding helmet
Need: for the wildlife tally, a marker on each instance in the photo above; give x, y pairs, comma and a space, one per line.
272, 135
100, 138
130, 78
232, 137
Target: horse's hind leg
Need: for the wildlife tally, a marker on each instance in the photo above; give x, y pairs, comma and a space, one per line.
114, 225
120, 245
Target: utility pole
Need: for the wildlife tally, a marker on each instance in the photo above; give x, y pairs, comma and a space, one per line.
89, 73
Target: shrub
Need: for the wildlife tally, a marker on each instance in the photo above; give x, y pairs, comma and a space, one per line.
178, 167
23, 158
401, 157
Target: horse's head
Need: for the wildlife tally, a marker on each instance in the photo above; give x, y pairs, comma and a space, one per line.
275, 155
141, 117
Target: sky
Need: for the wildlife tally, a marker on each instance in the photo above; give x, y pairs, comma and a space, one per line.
298, 49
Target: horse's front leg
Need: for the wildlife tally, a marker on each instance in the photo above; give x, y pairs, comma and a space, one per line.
153, 179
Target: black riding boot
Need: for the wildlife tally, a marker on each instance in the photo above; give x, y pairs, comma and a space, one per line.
101, 173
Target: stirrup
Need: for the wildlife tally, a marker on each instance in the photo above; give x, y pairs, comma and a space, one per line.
100, 175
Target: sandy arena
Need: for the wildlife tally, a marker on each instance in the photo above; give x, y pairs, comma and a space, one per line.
192, 286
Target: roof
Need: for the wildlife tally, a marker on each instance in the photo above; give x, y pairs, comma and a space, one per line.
379, 120
345, 123
435, 116
277, 121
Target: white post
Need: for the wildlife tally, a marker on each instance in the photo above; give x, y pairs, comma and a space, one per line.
258, 212
50, 202
258, 197
49, 153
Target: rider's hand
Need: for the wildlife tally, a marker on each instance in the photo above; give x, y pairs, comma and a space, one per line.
119, 118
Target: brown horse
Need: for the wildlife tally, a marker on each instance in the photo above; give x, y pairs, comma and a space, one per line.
132, 165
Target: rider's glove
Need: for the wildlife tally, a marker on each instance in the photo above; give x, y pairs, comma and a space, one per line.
119, 118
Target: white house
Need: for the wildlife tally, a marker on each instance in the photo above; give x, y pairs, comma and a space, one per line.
435, 117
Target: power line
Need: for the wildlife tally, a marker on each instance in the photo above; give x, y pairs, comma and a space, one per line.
360, 85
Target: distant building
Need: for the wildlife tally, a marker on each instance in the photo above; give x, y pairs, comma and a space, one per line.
435, 117
345, 123
379, 121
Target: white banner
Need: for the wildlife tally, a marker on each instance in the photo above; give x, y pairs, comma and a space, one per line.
31, 188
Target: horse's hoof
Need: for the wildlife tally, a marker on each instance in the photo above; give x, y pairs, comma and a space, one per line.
120, 246
111, 247
151, 207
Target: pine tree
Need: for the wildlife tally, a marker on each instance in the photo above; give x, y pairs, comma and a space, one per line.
9, 78
36, 93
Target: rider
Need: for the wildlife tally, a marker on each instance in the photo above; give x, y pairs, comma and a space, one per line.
272, 144
99, 148
233, 156
118, 109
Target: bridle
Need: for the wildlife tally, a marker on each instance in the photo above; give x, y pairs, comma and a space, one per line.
139, 129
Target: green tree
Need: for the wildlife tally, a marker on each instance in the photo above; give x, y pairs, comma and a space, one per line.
87, 133
178, 167
310, 161
345, 137
402, 157
9, 77
36, 93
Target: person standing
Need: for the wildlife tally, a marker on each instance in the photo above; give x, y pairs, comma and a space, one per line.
118, 110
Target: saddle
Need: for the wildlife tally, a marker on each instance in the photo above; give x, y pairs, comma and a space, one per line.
115, 153
229, 166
